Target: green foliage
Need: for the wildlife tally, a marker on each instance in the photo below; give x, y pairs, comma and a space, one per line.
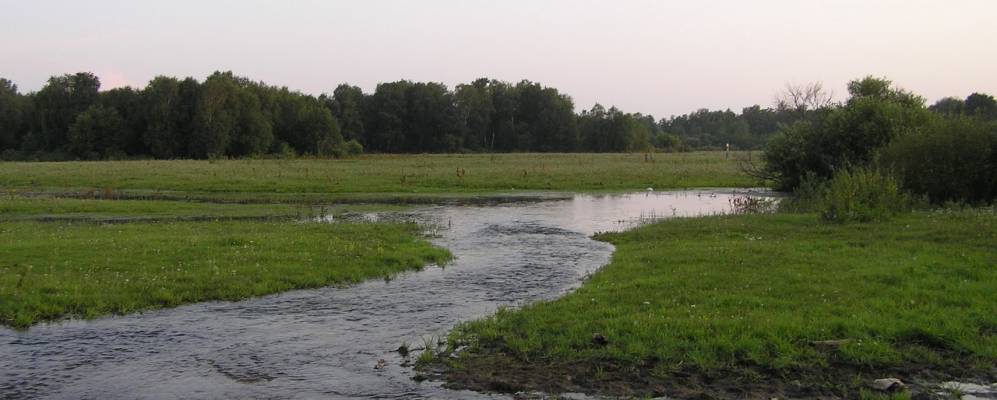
12, 114
96, 133
232, 116
948, 106
715, 129
792, 154
347, 107
56, 106
354, 148
952, 159
612, 131
166, 105
981, 105
862, 195
807, 197
844, 137
305, 124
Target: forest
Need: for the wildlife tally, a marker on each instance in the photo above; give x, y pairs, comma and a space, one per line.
71, 118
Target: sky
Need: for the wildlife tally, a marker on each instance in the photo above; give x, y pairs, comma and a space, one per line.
656, 57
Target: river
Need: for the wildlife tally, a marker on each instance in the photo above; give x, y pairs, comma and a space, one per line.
325, 343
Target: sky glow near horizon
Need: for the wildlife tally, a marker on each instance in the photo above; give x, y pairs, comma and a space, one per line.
656, 57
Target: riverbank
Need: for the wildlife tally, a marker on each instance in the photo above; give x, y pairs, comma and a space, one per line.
756, 306
54, 270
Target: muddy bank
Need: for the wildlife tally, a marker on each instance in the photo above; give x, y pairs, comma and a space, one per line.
501, 373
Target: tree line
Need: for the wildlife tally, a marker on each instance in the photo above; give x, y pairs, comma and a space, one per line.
231, 116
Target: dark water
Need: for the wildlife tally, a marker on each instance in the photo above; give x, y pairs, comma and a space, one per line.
325, 343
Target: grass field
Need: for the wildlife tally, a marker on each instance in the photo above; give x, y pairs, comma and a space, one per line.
54, 270
17, 208
404, 174
755, 306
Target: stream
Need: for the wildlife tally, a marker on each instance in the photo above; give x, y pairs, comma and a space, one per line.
325, 343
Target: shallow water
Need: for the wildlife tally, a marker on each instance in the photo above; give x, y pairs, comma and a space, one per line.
325, 343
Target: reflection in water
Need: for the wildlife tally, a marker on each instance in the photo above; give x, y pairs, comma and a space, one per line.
325, 343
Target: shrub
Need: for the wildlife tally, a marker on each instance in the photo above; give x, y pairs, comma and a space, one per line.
808, 195
844, 137
353, 147
952, 159
862, 195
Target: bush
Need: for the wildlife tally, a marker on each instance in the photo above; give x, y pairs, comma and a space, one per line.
952, 159
808, 195
862, 195
844, 137
353, 147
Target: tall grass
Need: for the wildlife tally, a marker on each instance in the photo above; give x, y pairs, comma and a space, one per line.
862, 195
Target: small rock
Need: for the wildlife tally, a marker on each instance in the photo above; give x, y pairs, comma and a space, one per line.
381, 364
888, 385
599, 339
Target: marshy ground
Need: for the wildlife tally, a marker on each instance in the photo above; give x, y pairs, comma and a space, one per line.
719, 306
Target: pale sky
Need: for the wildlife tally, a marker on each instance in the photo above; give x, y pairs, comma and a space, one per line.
658, 57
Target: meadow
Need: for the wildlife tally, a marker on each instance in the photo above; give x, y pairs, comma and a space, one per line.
84, 239
754, 306
45, 208
57, 270
374, 176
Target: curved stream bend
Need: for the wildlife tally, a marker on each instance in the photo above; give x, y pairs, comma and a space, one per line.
325, 343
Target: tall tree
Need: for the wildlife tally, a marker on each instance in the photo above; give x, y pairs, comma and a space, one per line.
474, 112
164, 134
502, 135
347, 106
229, 119
96, 133
306, 125
430, 120
128, 104
949, 106
59, 102
12, 115
385, 117
981, 105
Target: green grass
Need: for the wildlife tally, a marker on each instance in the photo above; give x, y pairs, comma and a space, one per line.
55, 270
14, 208
753, 300
382, 174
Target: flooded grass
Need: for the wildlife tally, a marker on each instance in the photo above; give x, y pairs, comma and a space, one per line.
44, 208
55, 270
755, 306
411, 175
18, 207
